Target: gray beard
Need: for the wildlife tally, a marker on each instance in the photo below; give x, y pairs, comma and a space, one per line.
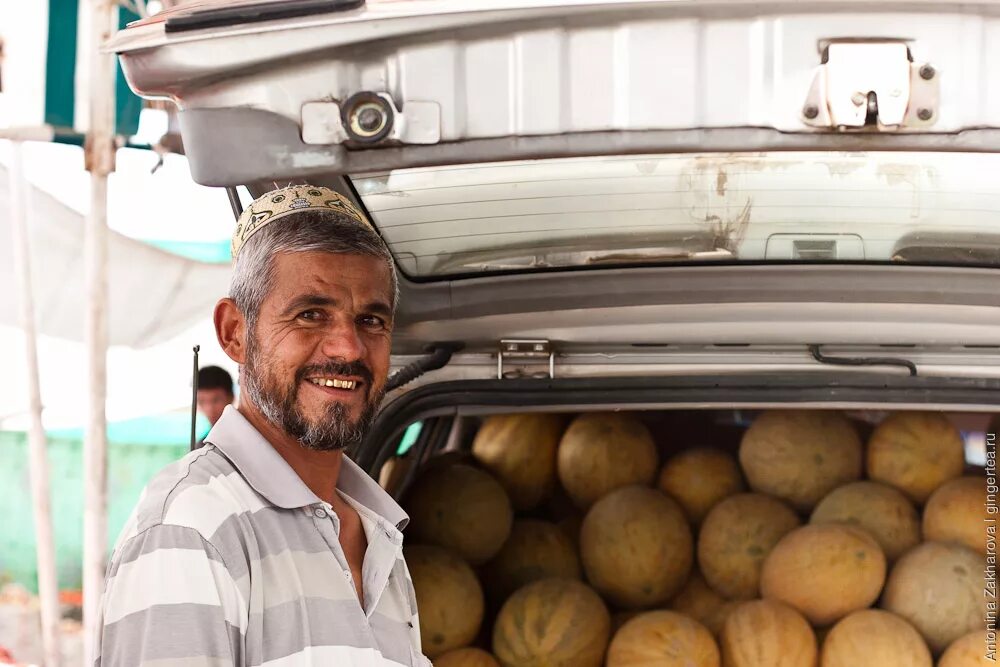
331, 432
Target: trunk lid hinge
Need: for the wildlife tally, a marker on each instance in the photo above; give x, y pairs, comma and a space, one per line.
525, 358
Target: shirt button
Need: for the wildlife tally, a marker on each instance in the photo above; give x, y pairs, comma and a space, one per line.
347, 573
319, 513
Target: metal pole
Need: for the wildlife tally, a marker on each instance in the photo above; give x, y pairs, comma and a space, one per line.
38, 463
99, 158
234, 201
194, 397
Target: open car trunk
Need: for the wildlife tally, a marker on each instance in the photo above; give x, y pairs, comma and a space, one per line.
691, 213
771, 484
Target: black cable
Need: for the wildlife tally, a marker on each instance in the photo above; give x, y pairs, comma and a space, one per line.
862, 361
439, 356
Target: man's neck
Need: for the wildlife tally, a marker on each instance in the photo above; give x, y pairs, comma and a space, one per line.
318, 470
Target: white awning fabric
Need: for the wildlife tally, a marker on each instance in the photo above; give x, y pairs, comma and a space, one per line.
153, 294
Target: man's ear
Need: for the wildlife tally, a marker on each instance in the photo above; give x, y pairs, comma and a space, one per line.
231, 330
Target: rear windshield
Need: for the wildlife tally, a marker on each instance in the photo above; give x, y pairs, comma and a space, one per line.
928, 208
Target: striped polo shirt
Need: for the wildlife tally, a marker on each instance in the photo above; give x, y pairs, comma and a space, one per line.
230, 559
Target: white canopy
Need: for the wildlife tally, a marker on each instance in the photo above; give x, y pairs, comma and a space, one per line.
153, 294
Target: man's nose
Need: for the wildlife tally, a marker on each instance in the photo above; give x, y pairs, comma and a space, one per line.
342, 341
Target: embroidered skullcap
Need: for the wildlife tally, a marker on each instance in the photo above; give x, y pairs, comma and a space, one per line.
281, 203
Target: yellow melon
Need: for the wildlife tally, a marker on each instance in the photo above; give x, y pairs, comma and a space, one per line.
460, 508
874, 638
765, 633
882, 510
552, 623
602, 452
700, 478
956, 512
663, 639
535, 550
938, 587
636, 547
700, 602
736, 537
916, 452
466, 657
447, 458
971, 650
825, 571
449, 598
800, 455
393, 473
520, 450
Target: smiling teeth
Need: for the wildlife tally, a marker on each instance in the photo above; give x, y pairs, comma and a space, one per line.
338, 384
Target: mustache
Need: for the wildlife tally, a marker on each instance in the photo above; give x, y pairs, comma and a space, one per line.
354, 368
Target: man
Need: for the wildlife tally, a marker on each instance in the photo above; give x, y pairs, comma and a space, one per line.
215, 392
268, 546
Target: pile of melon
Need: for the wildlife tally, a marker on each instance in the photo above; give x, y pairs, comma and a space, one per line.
581, 541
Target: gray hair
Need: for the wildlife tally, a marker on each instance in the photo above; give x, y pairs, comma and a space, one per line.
308, 231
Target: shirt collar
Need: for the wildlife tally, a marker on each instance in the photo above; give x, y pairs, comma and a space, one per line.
270, 475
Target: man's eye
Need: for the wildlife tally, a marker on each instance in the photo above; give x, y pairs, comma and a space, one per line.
372, 322
310, 315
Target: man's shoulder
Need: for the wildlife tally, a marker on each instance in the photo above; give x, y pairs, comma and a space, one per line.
202, 491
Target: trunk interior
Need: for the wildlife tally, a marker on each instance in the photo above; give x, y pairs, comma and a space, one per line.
439, 424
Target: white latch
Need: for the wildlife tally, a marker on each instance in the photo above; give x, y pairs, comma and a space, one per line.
517, 358
872, 85
371, 118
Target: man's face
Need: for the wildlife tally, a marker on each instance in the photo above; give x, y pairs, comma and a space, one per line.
211, 403
318, 359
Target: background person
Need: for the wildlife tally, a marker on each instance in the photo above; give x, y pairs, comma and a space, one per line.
215, 392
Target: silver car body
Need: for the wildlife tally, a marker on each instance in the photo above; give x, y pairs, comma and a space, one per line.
707, 110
